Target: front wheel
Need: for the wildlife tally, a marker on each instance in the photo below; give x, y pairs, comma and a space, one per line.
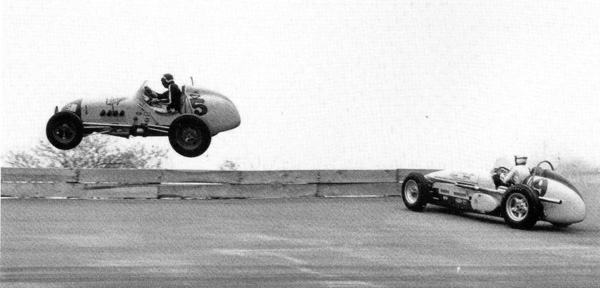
521, 207
189, 136
415, 192
64, 130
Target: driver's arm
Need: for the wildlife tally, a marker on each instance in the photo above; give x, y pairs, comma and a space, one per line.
508, 176
149, 92
166, 97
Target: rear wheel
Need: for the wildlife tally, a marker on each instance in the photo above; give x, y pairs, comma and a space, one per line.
189, 136
415, 192
521, 207
64, 130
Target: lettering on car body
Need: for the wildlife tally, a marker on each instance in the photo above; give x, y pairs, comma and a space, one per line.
463, 176
454, 193
460, 194
72, 108
198, 103
115, 101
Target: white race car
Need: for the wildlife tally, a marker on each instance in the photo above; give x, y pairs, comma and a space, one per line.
204, 114
545, 195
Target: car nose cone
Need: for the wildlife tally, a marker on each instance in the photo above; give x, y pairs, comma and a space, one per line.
571, 210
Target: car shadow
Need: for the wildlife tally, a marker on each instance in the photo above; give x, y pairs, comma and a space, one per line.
541, 226
462, 214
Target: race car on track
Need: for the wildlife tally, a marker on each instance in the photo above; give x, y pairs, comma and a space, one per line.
544, 196
203, 114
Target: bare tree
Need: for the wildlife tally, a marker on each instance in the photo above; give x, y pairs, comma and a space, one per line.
95, 151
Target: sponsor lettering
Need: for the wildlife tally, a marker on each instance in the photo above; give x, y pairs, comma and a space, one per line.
115, 101
462, 176
72, 108
460, 194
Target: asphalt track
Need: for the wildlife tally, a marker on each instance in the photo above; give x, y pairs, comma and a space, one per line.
306, 242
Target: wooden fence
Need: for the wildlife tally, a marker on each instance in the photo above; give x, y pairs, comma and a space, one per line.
198, 184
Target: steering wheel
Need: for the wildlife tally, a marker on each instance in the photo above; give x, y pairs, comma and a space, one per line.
546, 161
147, 91
537, 168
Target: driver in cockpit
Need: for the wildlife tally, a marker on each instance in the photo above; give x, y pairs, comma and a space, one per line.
496, 172
517, 174
171, 97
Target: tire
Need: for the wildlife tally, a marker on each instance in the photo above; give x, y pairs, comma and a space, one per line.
521, 207
415, 192
189, 136
64, 130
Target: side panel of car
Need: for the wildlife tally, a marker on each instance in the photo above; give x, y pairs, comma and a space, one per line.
221, 114
215, 110
449, 195
455, 176
118, 110
73, 107
485, 203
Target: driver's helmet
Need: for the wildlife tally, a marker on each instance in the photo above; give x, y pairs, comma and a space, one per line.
167, 79
520, 160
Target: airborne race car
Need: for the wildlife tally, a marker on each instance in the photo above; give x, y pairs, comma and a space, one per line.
204, 114
545, 195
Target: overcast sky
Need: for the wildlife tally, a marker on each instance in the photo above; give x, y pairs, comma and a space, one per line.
325, 84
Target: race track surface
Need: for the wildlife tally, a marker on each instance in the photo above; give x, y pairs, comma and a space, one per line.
309, 242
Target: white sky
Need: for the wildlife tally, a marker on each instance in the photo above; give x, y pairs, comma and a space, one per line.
325, 84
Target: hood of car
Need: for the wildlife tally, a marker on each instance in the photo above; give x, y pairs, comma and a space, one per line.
74, 107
